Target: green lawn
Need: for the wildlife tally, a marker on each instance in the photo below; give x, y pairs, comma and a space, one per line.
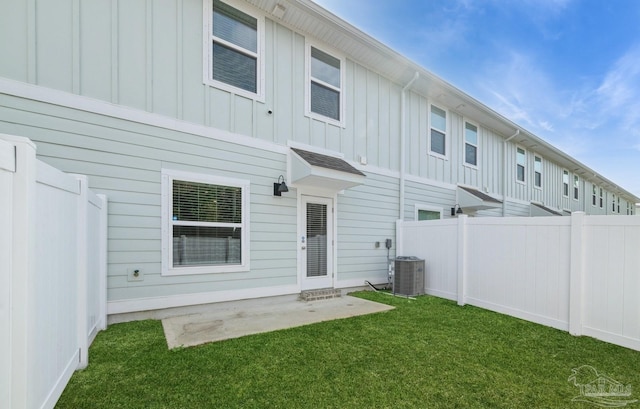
427, 353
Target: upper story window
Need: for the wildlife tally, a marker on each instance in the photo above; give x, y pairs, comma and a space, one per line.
470, 144
576, 187
325, 85
205, 224
521, 163
618, 204
601, 198
565, 183
594, 195
537, 171
438, 135
233, 49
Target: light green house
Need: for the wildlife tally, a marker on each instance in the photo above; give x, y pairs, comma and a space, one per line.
189, 114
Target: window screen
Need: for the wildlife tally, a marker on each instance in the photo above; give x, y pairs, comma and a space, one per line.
325, 86
235, 47
206, 224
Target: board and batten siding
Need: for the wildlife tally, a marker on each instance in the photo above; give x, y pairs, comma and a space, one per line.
148, 55
123, 160
451, 169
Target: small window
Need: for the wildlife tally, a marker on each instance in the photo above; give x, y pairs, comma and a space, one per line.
601, 198
325, 85
537, 168
470, 144
565, 183
613, 203
521, 161
428, 215
618, 204
233, 49
206, 224
438, 131
594, 196
576, 187
425, 212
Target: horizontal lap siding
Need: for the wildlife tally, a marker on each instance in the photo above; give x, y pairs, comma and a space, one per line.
430, 195
123, 160
366, 215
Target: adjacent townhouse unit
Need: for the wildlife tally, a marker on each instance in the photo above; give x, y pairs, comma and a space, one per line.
254, 148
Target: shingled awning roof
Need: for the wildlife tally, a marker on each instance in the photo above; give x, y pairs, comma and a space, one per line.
323, 171
473, 199
538, 209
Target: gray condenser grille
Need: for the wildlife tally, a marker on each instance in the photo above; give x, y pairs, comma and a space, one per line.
409, 276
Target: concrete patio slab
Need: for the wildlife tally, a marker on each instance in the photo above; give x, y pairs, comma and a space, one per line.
241, 320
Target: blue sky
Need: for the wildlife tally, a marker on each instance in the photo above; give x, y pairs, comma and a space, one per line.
565, 70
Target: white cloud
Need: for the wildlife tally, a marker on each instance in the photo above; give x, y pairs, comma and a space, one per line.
619, 94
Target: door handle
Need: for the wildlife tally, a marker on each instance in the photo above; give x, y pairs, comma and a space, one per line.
303, 244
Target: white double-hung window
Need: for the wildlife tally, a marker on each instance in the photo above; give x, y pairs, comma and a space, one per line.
470, 144
521, 163
537, 171
438, 136
325, 83
565, 183
205, 224
233, 49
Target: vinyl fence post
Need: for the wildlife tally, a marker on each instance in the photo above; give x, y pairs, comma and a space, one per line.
462, 258
21, 272
576, 275
7, 172
103, 261
82, 271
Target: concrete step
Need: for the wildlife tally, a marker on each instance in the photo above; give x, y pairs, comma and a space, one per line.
321, 294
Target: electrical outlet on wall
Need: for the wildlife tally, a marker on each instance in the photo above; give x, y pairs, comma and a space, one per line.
134, 274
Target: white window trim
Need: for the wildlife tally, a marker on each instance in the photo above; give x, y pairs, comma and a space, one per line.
534, 171
307, 83
419, 206
207, 50
574, 187
447, 143
168, 269
522, 182
568, 184
594, 196
464, 142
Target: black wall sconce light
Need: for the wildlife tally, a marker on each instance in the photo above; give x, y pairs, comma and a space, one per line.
280, 187
456, 210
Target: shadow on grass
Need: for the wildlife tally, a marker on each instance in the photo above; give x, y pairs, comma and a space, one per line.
427, 353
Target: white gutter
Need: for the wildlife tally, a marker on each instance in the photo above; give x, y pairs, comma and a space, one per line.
504, 172
403, 136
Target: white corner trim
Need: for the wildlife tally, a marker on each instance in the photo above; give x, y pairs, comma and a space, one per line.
95, 106
183, 300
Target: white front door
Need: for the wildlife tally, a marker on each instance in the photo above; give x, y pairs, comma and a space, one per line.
316, 243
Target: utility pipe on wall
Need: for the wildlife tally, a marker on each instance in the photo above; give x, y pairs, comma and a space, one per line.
504, 172
403, 136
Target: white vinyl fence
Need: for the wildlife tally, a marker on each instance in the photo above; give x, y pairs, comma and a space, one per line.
580, 274
52, 275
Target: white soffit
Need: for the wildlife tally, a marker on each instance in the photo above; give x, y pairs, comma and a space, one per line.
472, 199
323, 171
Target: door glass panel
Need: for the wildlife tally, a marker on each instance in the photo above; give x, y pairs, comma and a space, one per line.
316, 240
